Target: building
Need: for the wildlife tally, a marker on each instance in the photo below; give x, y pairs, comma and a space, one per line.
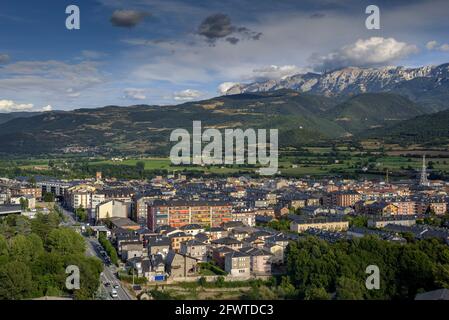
179, 265
439, 208
177, 238
112, 209
55, 187
141, 203
227, 242
29, 199
152, 267
246, 216
376, 208
192, 229
10, 209
180, 213
381, 222
301, 224
27, 190
260, 260
194, 249
124, 223
131, 250
277, 252
238, 264
79, 196
158, 245
217, 233
406, 207
342, 198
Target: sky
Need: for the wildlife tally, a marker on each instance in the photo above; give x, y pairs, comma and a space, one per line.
164, 52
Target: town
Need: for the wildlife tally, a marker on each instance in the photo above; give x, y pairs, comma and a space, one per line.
178, 229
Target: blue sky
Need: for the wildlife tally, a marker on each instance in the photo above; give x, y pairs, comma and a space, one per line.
166, 52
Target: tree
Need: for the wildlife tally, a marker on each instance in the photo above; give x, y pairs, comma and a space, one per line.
140, 168
90, 269
65, 241
4, 252
441, 274
26, 248
15, 281
24, 203
286, 289
108, 247
43, 224
349, 289
32, 181
49, 197
81, 214
202, 281
314, 293
220, 281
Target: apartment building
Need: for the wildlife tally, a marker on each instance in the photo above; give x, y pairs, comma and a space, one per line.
180, 213
302, 224
237, 263
342, 198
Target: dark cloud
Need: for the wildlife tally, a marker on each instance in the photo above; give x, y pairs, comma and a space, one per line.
317, 15
219, 26
4, 58
216, 26
127, 18
232, 40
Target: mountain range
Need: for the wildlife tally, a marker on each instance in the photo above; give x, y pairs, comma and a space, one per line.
395, 105
428, 85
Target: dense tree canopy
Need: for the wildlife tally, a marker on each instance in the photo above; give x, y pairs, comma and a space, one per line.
34, 255
316, 267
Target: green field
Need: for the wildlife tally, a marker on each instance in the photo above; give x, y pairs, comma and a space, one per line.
313, 161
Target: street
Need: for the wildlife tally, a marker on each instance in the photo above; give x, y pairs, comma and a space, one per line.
108, 276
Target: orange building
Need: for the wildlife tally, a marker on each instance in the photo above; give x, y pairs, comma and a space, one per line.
342, 198
179, 213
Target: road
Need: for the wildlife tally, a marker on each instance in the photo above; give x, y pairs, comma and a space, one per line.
108, 275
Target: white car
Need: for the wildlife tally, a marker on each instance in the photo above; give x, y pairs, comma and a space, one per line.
114, 293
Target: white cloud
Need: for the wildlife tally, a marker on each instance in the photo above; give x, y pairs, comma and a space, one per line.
93, 55
11, 106
373, 51
186, 95
225, 86
47, 108
444, 47
431, 45
434, 45
52, 82
276, 72
135, 94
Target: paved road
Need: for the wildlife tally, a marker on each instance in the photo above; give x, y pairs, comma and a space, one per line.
108, 275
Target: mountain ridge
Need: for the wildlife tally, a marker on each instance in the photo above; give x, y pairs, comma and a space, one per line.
300, 118
356, 80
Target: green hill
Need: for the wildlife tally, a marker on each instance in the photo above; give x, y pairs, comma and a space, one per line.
430, 129
371, 110
300, 118
146, 129
5, 117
